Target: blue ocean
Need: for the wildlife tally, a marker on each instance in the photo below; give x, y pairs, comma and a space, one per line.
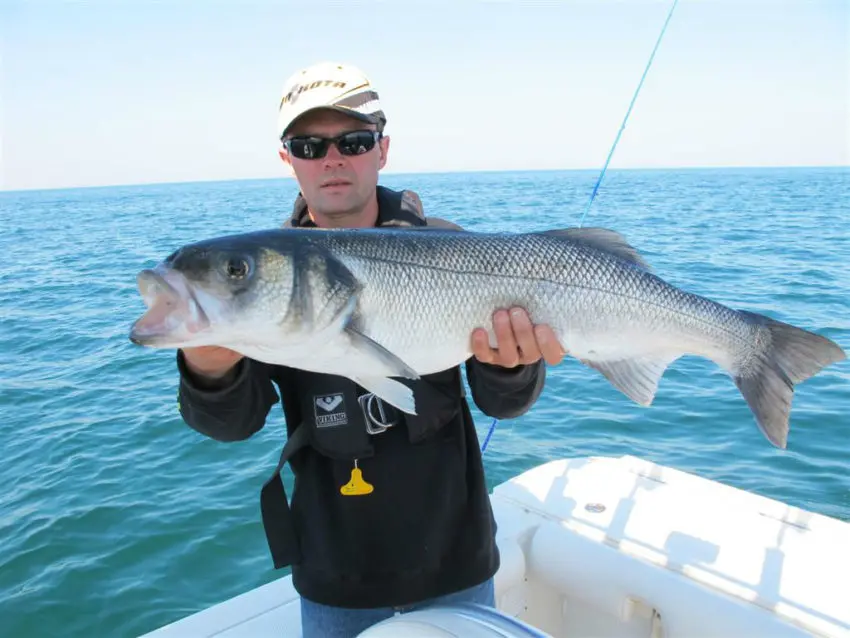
117, 518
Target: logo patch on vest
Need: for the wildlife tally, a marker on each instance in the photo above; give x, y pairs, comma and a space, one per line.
330, 410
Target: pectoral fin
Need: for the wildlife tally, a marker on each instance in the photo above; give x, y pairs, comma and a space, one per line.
389, 390
380, 364
384, 359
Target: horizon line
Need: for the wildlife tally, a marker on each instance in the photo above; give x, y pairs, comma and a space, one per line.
285, 177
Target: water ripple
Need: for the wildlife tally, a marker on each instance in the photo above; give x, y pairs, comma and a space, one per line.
116, 518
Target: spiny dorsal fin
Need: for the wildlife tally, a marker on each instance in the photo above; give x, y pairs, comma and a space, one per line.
603, 239
437, 222
438, 227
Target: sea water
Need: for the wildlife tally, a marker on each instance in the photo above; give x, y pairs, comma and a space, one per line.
116, 517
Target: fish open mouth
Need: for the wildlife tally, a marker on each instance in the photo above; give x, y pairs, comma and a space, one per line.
173, 313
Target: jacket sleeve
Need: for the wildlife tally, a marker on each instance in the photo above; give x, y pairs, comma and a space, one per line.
230, 412
505, 393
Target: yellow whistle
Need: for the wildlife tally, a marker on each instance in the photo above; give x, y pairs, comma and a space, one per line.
356, 486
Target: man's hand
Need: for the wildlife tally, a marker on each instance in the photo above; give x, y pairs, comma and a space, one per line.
518, 341
210, 362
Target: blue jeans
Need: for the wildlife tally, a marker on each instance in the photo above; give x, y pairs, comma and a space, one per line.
335, 622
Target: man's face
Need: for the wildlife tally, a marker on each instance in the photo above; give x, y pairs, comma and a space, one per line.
336, 186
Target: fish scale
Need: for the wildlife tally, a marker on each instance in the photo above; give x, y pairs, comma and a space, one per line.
375, 305
580, 291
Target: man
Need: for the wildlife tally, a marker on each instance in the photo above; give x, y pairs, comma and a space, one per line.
389, 510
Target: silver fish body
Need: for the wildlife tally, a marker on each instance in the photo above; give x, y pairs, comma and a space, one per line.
380, 303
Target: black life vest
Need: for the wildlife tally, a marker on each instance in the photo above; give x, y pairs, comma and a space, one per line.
339, 418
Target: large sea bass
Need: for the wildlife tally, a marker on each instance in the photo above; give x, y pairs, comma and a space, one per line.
371, 304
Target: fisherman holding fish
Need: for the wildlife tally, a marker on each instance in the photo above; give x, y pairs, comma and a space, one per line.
358, 316
391, 510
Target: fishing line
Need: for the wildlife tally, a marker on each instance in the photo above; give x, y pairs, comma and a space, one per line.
608, 159
628, 112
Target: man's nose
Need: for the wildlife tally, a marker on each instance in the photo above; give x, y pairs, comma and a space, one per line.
333, 156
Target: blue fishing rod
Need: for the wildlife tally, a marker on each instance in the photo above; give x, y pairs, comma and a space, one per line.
608, 159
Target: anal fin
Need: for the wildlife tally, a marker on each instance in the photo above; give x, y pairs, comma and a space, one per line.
637, 378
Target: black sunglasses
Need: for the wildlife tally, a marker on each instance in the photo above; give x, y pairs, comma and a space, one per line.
314, 147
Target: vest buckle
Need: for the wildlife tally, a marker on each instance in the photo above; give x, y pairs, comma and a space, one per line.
377, 419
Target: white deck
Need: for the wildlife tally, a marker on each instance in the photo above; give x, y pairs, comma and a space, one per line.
619, 547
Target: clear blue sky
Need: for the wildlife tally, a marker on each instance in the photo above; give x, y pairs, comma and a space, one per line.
132, 92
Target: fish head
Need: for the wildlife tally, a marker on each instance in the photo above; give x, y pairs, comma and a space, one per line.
225, 292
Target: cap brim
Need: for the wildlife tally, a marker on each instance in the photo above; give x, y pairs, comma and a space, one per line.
363, 117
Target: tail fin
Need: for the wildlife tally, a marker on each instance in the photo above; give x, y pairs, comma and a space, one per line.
790, 355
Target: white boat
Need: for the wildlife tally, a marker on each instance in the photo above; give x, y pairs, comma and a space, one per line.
617, 547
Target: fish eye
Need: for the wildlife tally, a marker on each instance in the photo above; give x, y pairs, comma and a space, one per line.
237, 268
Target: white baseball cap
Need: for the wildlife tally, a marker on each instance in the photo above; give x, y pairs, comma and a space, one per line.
329, 85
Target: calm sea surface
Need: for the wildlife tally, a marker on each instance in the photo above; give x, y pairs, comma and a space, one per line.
116, 518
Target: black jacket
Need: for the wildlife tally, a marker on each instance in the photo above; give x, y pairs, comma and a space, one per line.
426, 530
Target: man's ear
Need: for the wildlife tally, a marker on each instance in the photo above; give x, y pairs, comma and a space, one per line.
284, 155
384, 146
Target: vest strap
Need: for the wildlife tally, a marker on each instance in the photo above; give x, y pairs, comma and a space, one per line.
278, 521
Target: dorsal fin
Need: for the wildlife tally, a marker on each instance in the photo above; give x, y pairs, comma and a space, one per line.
603, 239
435, 223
